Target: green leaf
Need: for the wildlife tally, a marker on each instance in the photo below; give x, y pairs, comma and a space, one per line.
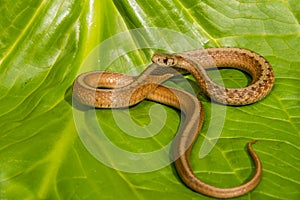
44, 45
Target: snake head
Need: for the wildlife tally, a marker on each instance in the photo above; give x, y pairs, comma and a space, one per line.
164, 59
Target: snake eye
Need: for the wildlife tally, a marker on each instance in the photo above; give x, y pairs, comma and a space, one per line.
165, 60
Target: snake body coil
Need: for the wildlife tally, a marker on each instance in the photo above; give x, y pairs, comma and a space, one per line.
250, 62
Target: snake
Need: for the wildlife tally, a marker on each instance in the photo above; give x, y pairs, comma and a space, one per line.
102, 89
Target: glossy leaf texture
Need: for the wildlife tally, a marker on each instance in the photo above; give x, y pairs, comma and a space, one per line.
43, 45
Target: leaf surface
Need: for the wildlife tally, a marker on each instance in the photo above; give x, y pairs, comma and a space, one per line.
43, 45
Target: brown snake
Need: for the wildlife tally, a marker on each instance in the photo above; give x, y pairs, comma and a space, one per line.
113, 90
